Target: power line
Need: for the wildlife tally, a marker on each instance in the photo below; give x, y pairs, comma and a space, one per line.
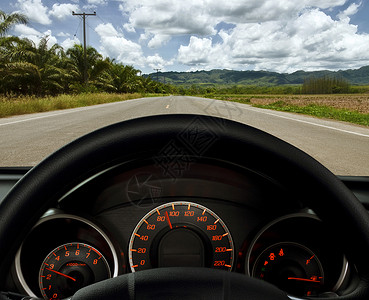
79, 24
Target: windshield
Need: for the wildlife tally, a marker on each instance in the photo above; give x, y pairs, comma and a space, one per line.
296, 69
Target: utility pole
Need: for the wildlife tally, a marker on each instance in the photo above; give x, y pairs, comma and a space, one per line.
157, 74
84, 42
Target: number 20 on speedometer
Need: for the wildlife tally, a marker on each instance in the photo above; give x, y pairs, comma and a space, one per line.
180, 234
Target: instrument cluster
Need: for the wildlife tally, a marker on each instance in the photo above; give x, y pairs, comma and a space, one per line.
129, 220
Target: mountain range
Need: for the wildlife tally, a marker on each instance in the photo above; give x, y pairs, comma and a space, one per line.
261, 78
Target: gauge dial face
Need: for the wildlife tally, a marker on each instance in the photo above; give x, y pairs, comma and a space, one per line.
291, 267
70, 267
180, 234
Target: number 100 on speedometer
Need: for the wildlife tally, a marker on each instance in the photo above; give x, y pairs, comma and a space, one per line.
180, 234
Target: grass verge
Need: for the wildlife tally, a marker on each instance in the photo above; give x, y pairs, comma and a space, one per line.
320, 111
27, 105
351, 108
348, 108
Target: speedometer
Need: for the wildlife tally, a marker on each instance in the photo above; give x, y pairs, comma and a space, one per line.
180, 234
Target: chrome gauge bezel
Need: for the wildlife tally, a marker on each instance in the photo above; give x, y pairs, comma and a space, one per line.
311, 215
185, 203
57, 258
52, 215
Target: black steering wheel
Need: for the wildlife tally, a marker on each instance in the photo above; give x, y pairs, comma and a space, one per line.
232, 142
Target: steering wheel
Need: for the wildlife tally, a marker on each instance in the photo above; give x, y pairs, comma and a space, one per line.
232, 142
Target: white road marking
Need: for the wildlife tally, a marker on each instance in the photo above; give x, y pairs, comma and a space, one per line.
68, 111
307, 122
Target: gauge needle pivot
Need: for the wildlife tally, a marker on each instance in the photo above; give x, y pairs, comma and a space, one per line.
56, 272
308, 260
168, 220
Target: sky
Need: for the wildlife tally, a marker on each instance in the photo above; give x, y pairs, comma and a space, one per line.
189, 35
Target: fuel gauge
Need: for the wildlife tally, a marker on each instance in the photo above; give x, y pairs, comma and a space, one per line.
291, 267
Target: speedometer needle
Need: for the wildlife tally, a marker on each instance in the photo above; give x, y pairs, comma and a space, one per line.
168, 220
61, 274
303, 279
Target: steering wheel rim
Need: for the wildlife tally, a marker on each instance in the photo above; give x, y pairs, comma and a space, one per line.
41, 187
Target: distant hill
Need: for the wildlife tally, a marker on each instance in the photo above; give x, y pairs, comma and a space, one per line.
262, 78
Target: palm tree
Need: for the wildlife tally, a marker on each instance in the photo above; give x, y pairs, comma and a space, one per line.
7, 21
7, 43
125, 79
97, 68
28, 69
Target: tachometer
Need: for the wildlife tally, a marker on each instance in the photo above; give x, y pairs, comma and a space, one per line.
70, 267
180, 234
291, 267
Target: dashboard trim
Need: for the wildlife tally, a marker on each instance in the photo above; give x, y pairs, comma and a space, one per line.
51, 215
345, 264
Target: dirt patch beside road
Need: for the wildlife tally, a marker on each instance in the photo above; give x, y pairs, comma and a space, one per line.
359, 103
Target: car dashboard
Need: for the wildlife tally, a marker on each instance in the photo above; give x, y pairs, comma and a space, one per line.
139, 215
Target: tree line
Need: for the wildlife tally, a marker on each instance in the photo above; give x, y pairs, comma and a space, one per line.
30, 69
325, 85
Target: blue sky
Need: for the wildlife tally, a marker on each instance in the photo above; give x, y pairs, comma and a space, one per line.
282, 36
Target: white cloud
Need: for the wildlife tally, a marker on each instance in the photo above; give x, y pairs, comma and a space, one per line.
165, 18
93, 4
145, 36
116, 46
63, 34
61, 11
34, 10
51, 40
97, 2
197, 52
200, 17
24, 30
323, 4
129, 28
106, 30
157, 62
311, 41
69, 43
158, 40
350, 11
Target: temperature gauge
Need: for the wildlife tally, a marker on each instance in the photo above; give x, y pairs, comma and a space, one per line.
291, 267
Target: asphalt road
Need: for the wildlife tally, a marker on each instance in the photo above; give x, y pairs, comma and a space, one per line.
25, 140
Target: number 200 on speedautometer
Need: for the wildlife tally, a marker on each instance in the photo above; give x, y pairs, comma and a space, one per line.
179, 234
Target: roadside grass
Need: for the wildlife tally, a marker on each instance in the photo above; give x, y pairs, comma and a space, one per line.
351, 108
31, 104
320, 111
245, 99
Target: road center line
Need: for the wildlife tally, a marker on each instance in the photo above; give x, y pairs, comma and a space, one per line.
307, 122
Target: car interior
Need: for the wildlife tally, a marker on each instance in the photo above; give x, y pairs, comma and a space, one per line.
180, 206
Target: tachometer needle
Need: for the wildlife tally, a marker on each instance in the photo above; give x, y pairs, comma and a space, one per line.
303, 279
66, 276
168, 220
